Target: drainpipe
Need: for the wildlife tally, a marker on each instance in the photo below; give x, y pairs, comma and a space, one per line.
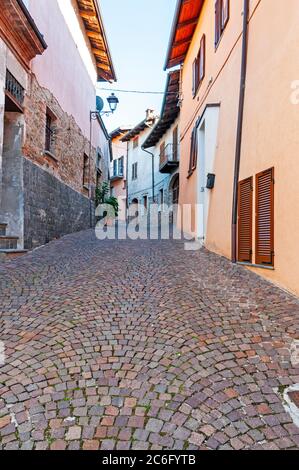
240, 129
153, 171
127, 184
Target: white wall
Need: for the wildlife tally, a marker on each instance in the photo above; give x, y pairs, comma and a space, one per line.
143, 185
65, 68
207, 144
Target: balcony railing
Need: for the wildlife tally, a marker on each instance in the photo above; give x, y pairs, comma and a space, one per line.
169, 158
14, 88
116, 173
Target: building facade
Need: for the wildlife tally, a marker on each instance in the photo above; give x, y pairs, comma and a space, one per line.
153, 154
239, 162
49, 166
118, 169
139, 166
163, 142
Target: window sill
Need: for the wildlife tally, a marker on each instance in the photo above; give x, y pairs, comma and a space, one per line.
51, 155
259, 266
86, 187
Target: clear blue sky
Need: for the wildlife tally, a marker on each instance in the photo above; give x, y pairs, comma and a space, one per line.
138, 33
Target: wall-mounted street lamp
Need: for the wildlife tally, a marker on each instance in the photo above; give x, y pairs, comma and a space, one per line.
94, 115
113, 103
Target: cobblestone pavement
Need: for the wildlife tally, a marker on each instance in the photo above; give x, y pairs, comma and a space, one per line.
142, 345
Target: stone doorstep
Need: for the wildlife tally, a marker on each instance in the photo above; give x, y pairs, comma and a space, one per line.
294, 396
291, 402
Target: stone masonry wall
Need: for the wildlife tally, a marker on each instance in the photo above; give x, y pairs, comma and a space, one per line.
51, 208
69, 142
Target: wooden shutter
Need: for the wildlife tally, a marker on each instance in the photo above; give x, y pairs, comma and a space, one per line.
175, 141
245, 208
193, 152
224, 13
265, 217
218, 9
202, 58
194, 77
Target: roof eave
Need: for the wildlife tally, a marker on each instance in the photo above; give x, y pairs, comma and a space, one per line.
100, 18
173, 32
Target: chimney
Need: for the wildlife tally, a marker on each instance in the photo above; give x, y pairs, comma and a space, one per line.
150, 115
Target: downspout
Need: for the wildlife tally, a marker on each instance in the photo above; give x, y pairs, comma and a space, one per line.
153, 171
127, 184
240, 130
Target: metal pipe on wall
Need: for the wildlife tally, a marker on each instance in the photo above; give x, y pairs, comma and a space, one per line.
240, 130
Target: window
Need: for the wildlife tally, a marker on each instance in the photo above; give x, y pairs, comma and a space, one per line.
245, 220
121, 166
85, 170
50, 133
98, 178
98, 169
221, 18
99, 161
115, 167
161, 196
135, 142
175, 141
14, 88
134, 171
193, 152
264, 223
145, 202
199, 64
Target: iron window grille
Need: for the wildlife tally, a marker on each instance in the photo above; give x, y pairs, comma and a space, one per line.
14, 88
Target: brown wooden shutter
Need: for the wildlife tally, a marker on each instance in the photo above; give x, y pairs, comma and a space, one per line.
193, 152
265, 217
245, 208
224, 13
218, 8
202, 58
175, 141
194, 75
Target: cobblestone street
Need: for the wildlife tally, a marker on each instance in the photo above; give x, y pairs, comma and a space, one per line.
142, 345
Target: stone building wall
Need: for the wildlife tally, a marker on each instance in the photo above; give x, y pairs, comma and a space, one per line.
51, 208
69, 142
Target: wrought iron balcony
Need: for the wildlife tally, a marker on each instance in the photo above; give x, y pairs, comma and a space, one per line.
169, 158
14, 88
116, 173
117, 169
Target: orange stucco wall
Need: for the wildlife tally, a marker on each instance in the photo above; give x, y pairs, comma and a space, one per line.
270, 122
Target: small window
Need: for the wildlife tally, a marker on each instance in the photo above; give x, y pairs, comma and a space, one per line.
199, 65
50, 133
115, 165
121, 166
85, 171
134, 171
14, 88
145, 202
98, 178
221, 18
161, 197
99, 161
135, 142
193, 152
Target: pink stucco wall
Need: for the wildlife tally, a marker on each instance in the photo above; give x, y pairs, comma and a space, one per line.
61, 68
